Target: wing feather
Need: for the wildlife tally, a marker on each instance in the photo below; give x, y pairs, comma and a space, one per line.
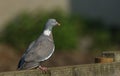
40, 50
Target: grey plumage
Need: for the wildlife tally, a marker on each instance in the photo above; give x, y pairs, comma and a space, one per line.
40, 49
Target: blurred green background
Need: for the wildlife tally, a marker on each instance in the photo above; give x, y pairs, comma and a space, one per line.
78, 40
26, 27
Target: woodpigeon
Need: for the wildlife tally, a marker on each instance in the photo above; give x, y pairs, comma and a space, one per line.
39, 50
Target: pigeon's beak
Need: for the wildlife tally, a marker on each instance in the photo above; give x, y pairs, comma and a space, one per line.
58, 24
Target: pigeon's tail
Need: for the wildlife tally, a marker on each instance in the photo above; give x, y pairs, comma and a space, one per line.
29, 65
21, 62
20, 66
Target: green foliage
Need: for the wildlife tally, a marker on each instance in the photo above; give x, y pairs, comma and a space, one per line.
66, 36
26, 27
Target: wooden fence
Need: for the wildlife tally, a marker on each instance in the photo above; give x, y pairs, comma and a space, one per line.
98, 69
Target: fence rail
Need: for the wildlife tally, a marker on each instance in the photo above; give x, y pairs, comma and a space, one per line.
104, 69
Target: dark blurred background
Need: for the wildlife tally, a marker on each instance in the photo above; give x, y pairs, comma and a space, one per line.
87, 29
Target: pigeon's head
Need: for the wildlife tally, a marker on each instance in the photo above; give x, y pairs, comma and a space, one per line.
51, 23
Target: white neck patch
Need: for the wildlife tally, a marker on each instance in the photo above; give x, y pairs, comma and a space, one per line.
47, 32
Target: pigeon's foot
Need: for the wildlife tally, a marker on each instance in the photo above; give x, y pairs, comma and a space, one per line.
44, 69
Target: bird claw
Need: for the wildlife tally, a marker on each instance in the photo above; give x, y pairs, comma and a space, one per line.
44, 69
